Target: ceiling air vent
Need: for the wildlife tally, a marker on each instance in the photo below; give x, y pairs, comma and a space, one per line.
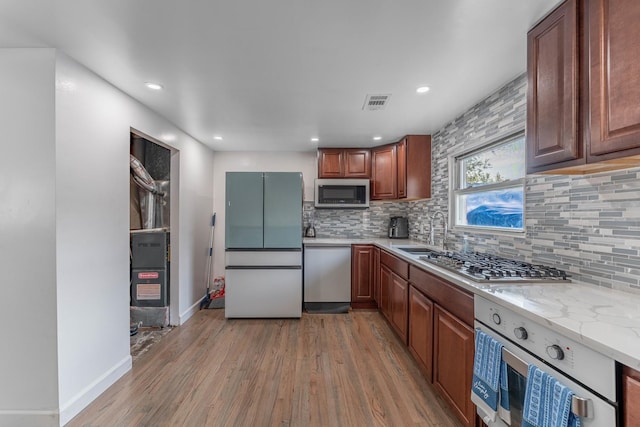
375, 102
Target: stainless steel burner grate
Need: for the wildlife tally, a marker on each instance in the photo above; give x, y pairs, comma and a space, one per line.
488, 268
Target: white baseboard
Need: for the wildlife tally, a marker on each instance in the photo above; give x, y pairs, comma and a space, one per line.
186, 315
29, 418
81, 400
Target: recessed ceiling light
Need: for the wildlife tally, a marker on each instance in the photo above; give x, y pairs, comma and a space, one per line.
154, 86
217, 138
168, 137
315, 139
423, 89
377, 138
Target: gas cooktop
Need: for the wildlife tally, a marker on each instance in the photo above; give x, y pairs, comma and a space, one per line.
481, 267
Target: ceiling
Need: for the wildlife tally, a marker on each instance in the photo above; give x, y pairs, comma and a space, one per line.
271, 74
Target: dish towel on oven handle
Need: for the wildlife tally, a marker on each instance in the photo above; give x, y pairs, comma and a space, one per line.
486, 374
504, 410
547, 403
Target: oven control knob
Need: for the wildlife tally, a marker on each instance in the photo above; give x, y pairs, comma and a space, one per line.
496, 318
555, 352
520, 333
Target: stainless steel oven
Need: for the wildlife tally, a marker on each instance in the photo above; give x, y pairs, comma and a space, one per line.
589, 374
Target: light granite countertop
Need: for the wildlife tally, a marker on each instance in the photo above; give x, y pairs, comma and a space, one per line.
605, 320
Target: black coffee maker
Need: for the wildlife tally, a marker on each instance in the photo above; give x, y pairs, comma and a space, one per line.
398, 227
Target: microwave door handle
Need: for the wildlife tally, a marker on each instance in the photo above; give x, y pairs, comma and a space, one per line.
579, 406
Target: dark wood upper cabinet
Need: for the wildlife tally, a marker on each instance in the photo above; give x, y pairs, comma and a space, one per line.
583, 114
418, 166
401, 153
384, 175
402, 170
552, 101
357, 163
344, 163
614, 85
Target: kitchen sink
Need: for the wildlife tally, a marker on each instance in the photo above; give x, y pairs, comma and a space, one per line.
416, 250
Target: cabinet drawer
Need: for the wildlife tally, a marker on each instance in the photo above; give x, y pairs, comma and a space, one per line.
395, 264
447, 295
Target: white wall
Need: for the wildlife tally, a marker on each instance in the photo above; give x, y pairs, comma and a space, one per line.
28, 358
253, 161
64, 222
92, 153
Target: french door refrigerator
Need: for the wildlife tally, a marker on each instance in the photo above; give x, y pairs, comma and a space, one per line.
263, 244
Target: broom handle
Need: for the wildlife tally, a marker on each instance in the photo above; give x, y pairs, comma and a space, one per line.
210, 258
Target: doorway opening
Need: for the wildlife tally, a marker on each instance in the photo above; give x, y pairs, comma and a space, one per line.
150, 240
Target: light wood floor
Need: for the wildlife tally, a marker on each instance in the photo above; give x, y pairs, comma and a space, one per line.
321, 370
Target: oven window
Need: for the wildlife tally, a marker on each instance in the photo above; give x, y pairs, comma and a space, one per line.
517, 387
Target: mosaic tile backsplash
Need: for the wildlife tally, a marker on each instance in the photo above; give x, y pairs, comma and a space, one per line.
353, 223
588, 225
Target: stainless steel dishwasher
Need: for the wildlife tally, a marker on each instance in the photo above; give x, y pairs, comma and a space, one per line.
327, 279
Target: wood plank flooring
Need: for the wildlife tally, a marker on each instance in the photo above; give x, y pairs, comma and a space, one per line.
321, 370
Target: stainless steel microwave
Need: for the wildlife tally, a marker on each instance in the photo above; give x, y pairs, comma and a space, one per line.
342, 193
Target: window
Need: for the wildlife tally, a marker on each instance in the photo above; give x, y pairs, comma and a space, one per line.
488, 185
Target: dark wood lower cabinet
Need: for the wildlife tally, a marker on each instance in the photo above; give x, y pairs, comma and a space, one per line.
376, 275
385, 288
399, 302
362, 276
434, 318
630, 397
421, 331
453, 364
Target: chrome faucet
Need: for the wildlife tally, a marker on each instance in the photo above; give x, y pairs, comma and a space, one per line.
432, 234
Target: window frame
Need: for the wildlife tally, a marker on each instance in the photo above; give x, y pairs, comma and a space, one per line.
455, 179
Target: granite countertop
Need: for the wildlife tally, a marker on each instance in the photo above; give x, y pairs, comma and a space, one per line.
605, 320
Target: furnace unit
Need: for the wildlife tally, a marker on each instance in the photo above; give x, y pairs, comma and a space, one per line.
150, 268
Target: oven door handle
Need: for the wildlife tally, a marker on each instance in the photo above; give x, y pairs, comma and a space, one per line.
579, 406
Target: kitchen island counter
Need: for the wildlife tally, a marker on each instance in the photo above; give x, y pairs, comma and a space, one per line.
605, 320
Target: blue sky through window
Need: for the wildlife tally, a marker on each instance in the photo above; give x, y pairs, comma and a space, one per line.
479, 202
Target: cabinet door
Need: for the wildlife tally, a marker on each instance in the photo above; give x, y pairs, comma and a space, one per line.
402, 168
421, 330
330, 163
399, 294
244, 210
357, 163
376, 275
453, 363
552, 101
631, 397
283, 210
385, 289
362, 276
614, 51
417, 162
384, 173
